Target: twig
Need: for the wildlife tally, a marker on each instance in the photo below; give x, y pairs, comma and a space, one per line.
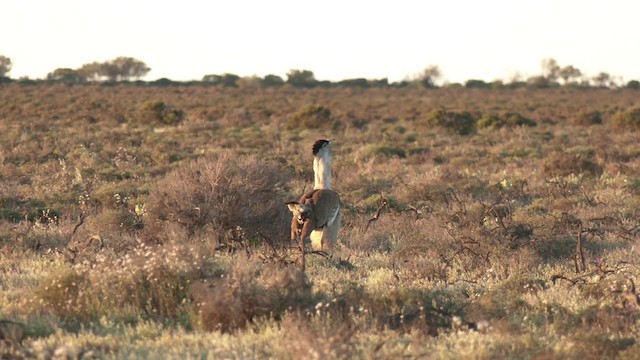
376, 216
269, 242
319, 252
579, 257
75, 228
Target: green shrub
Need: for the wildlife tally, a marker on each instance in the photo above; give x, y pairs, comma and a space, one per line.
10, 215
507, 119
44, 214
628, 119
158, 112
462, 123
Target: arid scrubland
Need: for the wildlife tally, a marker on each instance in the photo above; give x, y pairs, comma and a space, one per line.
150, 222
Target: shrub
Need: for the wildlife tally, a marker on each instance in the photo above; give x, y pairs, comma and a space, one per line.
587, 118
628, 119
478, 84
462, 123
388, 151
310, 117
248, 291
10, 215
159, 112
564, 164
240, 198
507, 119
633, 84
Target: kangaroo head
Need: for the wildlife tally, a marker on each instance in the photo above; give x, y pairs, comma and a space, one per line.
301, 222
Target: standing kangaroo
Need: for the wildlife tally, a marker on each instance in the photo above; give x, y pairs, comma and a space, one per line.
317, 214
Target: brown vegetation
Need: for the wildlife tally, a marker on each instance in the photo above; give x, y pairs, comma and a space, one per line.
149, 222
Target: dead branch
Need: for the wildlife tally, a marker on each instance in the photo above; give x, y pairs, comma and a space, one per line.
461, 204
573, 281
319, 252
376, 216
268, 241
579, 257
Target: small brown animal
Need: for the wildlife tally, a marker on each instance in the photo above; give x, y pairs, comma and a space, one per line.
11, 332
318, 209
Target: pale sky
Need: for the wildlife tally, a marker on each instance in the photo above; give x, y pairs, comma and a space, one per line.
336, 39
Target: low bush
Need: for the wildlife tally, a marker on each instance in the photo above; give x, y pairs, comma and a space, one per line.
627, 119
248, 291
507, 119
238, 198
462, 123
310, 117
159, 112
587, 118
565, 164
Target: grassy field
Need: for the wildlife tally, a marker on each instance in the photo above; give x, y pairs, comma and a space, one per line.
150, 222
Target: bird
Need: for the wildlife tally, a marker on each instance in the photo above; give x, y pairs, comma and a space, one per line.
317, 213
322, 162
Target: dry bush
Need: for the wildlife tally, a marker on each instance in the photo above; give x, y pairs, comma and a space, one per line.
565, 164
628, 119
587, 118
154, 112
310, 117
462, 123
235, 118
316, 339
149, 281
240, 198
250, 290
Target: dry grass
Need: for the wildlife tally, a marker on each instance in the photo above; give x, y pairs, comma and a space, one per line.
141, 222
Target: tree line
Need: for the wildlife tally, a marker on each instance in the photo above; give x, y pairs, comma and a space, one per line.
128, 69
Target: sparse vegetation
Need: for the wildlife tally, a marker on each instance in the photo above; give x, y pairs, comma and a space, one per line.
150, 221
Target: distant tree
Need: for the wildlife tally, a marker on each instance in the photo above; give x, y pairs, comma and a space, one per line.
384, 82
429, 76
5, 66
359, 82
124, 69
272, 80
66, 75
230, 80
226, 80
91, 71
249, 82
473, 83
603, 79
301, 78
568, 73
633, 84
540, 82
212, 79
550, 69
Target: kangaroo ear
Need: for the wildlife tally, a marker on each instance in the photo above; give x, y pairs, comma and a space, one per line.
297, 208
